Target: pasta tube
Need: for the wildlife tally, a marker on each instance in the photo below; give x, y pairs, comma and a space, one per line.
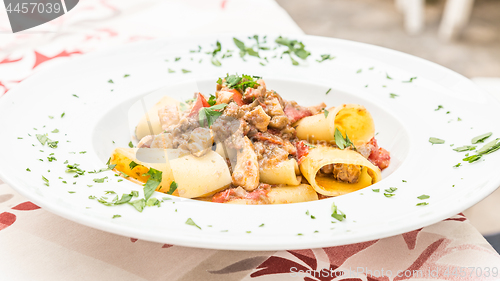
352, 119
283, 173
327, 184
195, 176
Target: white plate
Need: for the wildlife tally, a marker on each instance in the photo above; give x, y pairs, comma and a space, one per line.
101, 115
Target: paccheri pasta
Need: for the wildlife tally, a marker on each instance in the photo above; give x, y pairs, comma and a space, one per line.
248, 145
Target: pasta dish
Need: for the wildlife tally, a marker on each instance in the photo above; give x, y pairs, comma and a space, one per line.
248, 145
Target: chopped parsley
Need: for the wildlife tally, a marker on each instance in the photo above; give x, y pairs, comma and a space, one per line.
190, 221
490, 147
422, 204
171, 70
45, 180
328, 91
138, 204
185, 70
472, 158
436, 140
132, 165
326, 112
295, 47
392, 95
376, 190
173, 187
208, 115
126, 75
391, 190
389, 194
28, 169
387, 76
130, 144
101, 180
342, 142
111, 81
423, 197
74, 169
153, 182
76, 96
481, 138
262, 225
359, 71
411, 80
325, 57
438, 108
116, 216
55, 131
337, 214
465, 148
244, 49
212, 100
239, 83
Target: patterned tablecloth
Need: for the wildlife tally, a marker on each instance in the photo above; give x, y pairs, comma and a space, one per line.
38, 245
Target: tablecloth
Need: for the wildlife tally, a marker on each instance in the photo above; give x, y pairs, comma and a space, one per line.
38, 245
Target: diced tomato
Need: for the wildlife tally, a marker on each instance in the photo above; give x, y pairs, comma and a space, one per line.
379, 156
229, 194
257, 194
302, 150
200, 102
237, 97
222, 196
295, 114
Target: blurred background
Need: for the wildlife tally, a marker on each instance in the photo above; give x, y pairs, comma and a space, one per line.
472, 49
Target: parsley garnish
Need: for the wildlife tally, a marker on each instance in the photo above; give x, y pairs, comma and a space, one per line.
326, 112
185, 70
173, 187
62, 115
465, 148
132, 165
138, 204
481, 138
45, 180
376, 190
325, 57
262, 225
101, 180
126, 75
391, 190
387, 76
490, 147
74, 169
392, 95
55, 131
342, 142
239, 83
190, 221
359, 71
423, 197
210, 114
212, 100
411, 80
28, 169
457, 165
436, 140
116, 216
472, 158
153, 182
422, 204
295, 47
337, 214
130, 144
171, 70
244, 49
328, 91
